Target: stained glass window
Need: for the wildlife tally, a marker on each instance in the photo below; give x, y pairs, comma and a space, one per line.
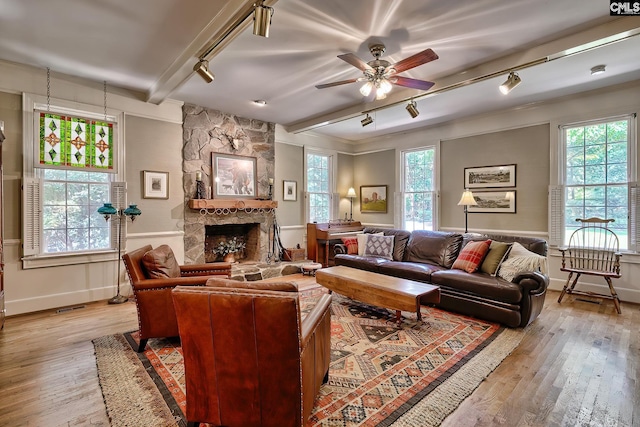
75, 142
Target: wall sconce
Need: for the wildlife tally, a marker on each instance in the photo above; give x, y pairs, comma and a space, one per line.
351, 194
262, 20
121, 215
202, 68
466, 200
412, 108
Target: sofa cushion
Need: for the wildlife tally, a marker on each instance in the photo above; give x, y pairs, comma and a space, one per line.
521, 260
471, 256
400, 239
409, 270
491, 287
367, 263
496, 254
379, 246
352, 245
433, 247
160, 263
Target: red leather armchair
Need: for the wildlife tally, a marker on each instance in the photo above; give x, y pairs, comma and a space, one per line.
156, 315
249, 359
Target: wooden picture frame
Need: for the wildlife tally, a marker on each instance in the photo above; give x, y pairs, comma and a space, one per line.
289, 190
490, 176
494, 202
373, 198
234, 177
155, 185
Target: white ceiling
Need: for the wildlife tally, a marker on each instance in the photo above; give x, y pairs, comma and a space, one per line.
150, 47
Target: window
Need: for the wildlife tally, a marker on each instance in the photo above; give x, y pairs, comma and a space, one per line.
597, 174
70, 170
319, 180
418, 189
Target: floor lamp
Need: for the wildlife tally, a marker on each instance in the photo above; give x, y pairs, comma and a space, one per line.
120, 215
467, 200
351, 194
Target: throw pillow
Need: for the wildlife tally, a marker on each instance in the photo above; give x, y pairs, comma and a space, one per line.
497, 253
471, 256
521, 260
352, 244
362, 241
161, 263
379, 246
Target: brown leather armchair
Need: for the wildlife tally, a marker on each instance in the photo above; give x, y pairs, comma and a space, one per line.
152, 287
249, 360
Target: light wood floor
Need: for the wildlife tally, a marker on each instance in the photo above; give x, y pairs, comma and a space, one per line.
579, 364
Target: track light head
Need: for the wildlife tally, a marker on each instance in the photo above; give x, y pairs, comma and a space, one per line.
366, 121
202, 68
512, 81
412, 108
262, 20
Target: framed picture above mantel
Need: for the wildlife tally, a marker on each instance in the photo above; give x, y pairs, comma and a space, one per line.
490, 176
234, 177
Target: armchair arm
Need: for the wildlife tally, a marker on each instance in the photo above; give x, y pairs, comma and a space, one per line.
532, 282
154, 284
339, 248
310, 322
209, 269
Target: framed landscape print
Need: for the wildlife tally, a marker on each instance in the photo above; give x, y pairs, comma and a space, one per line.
494, 202
373, 198
234, 176
289, 190
490, 176
155, 185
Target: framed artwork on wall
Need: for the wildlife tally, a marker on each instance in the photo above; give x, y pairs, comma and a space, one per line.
234, 176
289, 190
494, 202
490, 176
155, 185
373, 198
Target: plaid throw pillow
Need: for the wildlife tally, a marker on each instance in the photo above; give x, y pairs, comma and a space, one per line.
380, 246
471, 256
352, 245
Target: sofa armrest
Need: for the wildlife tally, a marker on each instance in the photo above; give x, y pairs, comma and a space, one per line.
209, 269
310, 322
532, 282
157, 284
339, 249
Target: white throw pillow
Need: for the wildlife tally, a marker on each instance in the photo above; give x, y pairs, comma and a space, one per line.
379, 246
521, 260
362, 239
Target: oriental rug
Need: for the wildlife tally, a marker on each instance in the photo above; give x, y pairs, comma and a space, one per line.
381, 374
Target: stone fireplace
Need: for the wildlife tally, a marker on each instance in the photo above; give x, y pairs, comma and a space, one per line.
207, 131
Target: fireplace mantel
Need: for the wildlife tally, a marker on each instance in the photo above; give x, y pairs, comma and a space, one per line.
240, 204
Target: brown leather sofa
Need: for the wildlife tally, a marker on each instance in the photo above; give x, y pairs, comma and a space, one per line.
249, 359
152, 285
427, 256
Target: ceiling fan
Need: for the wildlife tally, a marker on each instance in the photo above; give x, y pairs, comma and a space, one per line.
380, 75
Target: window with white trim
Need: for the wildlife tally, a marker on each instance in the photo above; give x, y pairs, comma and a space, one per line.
71, 169
319, 186
418, 192
597, 178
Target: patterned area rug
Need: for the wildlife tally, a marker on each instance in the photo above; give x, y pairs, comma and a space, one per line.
381, 373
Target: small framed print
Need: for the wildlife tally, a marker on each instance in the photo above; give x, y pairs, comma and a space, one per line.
494, 202
155, 185
373, 198
289, 190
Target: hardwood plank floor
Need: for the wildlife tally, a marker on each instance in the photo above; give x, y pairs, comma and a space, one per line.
578, 365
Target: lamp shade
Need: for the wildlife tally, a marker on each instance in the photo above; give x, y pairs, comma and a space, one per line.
351, 193
467, 199
107, 209
132, 211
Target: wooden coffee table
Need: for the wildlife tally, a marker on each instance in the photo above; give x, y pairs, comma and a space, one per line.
379, 289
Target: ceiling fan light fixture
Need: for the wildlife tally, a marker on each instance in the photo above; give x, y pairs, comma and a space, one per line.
366, 121
366, 88
385, 86
512, 81
262, 20
380, 94
202, 68
412, 108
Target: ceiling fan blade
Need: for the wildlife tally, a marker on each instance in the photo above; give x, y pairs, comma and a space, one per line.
413, 83
343, 82
355, 61
413, 61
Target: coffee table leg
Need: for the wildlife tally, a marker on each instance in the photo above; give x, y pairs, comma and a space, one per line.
418, 312
398, 316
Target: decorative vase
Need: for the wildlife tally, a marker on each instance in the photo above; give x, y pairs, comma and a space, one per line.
230, 257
